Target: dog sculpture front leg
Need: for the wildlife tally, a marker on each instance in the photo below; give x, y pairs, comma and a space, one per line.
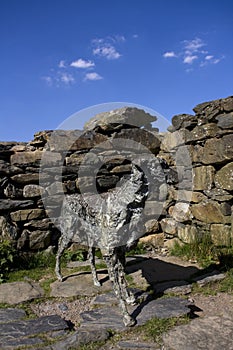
112, 262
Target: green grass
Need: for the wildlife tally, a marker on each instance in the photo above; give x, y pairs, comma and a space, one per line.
205, 253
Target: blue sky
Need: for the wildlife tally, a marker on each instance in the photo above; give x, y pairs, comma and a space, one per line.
60, 56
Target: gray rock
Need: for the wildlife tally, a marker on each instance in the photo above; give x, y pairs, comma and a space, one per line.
11, 204
126, 115
27, 214
174, 287
81, 337
30, 191
14, 334
18, 292
11, 314
184, 121
225, 121
209, 333
80, 284
131, 345
110, 317
209, 278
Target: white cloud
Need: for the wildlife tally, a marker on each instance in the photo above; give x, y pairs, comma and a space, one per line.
80, 63
208, 57
169, 54
190, 59
105, 48
135, 36
62, 64
93, 76
67, 78
194, 45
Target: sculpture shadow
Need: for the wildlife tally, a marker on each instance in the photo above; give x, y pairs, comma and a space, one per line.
160, 275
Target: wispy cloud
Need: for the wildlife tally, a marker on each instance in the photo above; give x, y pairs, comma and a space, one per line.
193, 45
48, 80
62, 64
107, 47
93, 76
67, 78
80, 63
195, 53
169, 54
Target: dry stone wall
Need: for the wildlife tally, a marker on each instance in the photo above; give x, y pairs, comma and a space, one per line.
194, 202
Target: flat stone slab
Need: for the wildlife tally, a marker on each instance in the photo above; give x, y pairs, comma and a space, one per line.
176, 287
209, 333
131, 345
80, 284
11, 314
80, 337
18, 292
18, 333
110, 317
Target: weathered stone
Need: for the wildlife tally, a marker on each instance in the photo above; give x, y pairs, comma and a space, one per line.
221, 235
211, 277
126, 115
26, 158
18, 292
124, 168
152, 226
203, 177
184, 155
174, 287
107, 181
27, 214
31, 191
43, 224
159, 308
170, 244
186, 196
56, 188
225, 121
201, 132
81, 337
17, 334
156, 240
218, 150
218, 194
187, 121
39, 239
73, 140
153, 208
137, 140
209, 212
80, 284
11, 314
11, 204
224, 177
181, 212
172, 140
24, 179
188, 234
208, 333
7, 169
135, 345
7, 230
227, 103
169, 226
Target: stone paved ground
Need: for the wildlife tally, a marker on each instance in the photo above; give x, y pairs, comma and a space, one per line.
79, 313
